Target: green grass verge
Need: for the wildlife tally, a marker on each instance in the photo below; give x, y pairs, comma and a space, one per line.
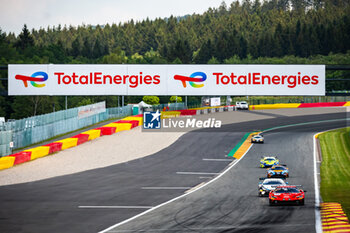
335, 167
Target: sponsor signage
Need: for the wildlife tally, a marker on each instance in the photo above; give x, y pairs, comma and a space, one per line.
206, 80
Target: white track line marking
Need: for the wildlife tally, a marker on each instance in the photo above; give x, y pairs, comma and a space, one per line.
157, 188
205, 177
176, 198
318, 226
196, 173
114, 207
219, 160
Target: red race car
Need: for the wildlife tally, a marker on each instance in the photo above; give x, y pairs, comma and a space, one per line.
287, 194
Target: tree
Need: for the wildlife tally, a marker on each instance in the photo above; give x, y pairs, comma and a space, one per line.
174, 99
25, 40
213, 60
153, 100
243, 47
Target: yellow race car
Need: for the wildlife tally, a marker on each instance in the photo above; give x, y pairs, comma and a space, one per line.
268, 161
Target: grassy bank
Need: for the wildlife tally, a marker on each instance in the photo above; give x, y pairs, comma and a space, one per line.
335, 167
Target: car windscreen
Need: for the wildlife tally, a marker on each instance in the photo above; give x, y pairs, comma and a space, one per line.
279, 168
287, 190
273, 182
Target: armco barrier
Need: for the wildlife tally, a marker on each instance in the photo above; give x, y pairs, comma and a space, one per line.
21, 157
133, 123
297, 105
170, 114
68, 143
107, 130
54, 147
134, 118
6, 162
272, 106
94, 133
38, 152
81, 138
326, 104
187, 112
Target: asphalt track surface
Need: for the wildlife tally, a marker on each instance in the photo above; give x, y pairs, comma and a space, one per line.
230, 204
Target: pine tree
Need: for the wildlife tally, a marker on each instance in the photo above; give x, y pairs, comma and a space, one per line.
25, 40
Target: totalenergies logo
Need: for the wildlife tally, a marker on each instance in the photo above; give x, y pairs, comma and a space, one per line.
39, 76
192, 79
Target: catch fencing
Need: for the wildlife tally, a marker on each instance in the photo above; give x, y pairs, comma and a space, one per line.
35, 129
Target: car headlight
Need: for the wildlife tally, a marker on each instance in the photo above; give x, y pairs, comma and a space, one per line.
300, 196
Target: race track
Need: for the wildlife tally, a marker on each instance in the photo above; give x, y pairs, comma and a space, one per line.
92, 201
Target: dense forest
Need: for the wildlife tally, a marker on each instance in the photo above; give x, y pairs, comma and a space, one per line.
275, 31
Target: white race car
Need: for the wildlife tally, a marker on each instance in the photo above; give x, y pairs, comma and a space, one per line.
269, 184
257, 139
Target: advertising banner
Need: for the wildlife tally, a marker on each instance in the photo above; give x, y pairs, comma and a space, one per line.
205, 80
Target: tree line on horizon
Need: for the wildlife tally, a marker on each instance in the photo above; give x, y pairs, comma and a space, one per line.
264, 32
